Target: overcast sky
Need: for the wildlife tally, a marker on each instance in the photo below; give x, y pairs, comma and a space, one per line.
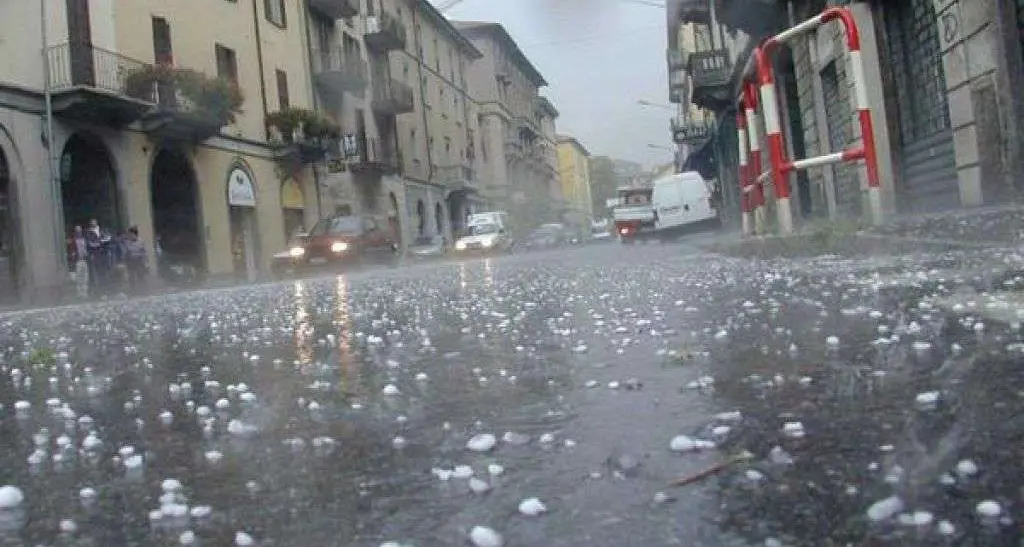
599, 57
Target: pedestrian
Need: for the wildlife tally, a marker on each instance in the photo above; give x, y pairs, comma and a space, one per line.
135, 260
78, 261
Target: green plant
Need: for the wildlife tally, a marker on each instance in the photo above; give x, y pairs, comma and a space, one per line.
214, 98
300, 124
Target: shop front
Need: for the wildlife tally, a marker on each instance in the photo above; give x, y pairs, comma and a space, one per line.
293, 208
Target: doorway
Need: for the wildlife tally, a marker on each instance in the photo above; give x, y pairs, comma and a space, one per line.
88, 184
243, 243
8, 237
439, 218
925, 138
242, 218
174, 194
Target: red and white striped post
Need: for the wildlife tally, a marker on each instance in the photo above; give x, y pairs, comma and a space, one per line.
773, 132
756, 185
741, 130
782, 166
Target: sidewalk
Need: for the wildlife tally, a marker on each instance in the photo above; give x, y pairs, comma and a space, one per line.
980, 228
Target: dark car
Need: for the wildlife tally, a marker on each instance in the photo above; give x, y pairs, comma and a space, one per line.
341, 240
547, 236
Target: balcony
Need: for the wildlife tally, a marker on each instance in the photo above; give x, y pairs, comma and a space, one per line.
754, 17
710, 72
336, 73
335, 9
455, 177
393, 98
677, 59
384, 32
88, 85
691, 132
689, 11
300, 136
375, 156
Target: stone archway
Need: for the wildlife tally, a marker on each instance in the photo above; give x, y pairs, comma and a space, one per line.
89, 184
174, 194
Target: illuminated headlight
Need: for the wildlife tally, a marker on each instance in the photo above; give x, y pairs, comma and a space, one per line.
296, 252
339, 247
623, 231
460, 245
487, 242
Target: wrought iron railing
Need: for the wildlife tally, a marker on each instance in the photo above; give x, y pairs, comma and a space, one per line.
85, 65
710, 68
349, 66
691, 131
394, 97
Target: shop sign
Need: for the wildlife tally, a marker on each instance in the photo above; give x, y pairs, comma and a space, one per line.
241, 191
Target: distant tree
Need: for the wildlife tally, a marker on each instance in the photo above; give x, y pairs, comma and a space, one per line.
603, 182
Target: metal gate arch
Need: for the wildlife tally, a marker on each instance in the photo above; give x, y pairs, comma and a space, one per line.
926, 153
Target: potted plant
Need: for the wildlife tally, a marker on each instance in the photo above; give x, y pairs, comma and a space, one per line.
302, 132
214, 100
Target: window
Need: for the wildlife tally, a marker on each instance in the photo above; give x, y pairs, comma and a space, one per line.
162, 52
275, 12
227, 64
282, 89
437, 56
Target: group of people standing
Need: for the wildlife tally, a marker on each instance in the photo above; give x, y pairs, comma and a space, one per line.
102, 263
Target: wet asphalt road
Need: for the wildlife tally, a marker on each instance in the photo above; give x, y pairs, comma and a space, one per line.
874, 401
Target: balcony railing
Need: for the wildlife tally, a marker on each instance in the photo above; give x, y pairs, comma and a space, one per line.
677, 79
689, 11
335, 9
456, 176
89, 84
677, 59
710, 68
690, 131
710, 73
393, 98
337, 72
384, 32
376, 155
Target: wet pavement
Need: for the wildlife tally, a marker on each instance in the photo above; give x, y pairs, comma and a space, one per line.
859, 401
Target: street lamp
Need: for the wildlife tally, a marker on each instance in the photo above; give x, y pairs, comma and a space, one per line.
660, 147
643, 102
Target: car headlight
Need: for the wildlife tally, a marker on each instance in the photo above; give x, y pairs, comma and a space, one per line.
487, 242
460, 245
297, 252
339, 247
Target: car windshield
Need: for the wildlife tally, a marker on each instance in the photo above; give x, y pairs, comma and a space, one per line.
337, 225
483, 229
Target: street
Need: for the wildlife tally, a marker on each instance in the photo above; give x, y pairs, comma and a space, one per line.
857, 401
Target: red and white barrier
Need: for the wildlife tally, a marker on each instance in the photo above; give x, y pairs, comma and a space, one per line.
756, 184
781, 166
741, 130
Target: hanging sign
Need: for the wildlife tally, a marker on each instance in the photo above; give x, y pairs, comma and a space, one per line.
241, 191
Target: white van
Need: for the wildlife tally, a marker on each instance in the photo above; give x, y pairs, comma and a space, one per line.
682, 201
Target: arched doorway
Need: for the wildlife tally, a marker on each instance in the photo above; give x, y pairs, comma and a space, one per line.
89, 184
174, 194
439, 219
242, 216
421, 218
8, 238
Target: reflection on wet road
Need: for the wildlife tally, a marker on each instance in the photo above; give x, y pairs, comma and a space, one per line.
867, 402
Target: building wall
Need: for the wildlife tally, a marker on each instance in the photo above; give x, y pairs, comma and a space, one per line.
574, 175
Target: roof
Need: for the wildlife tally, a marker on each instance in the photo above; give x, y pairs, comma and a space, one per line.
473, 29
569, 139
451, 29
546, 106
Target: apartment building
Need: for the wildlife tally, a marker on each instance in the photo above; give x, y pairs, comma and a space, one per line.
393, 72
152, 114
943, 80
574, 177
516, 154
